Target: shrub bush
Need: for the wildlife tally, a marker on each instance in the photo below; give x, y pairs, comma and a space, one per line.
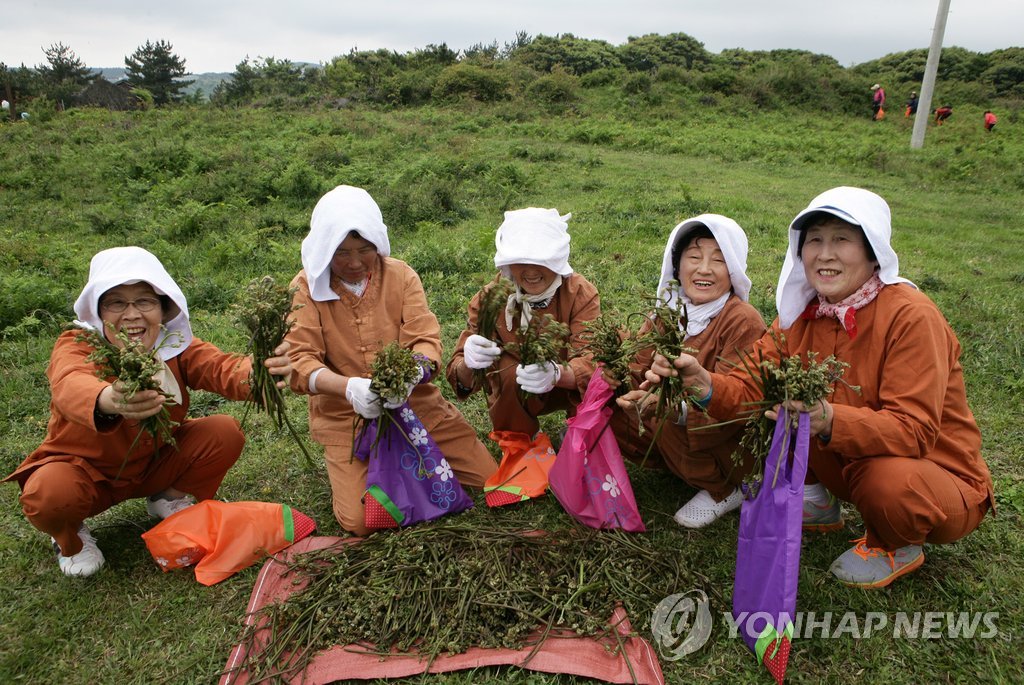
300, 182
600, 77
413, 87
636, 83
468, 80
578, 55
26, 291
671, 73
558, 87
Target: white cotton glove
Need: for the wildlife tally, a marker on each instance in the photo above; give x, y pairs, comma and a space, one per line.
365, 401
396, 401
479, 352
538, 378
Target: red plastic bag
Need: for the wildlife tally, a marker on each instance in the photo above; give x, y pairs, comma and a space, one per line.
589, 477
524, 468
222, 538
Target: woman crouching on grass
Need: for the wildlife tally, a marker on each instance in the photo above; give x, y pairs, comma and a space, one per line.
355, 299
707, 256
533, 252
897, 440
95, 453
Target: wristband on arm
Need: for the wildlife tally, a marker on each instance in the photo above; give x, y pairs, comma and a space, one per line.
706, 400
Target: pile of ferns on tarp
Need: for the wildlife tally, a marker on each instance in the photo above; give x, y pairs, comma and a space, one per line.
441, 589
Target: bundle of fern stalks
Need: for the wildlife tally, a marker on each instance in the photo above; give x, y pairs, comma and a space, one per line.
802, 377
138, 368
263, 311
431, 590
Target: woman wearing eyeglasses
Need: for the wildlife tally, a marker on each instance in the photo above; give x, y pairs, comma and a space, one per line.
94, 455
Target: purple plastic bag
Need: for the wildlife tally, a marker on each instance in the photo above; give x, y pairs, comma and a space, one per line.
408, 480
589, 478
768, 551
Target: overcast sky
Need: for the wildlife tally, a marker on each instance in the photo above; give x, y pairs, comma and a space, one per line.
215, 35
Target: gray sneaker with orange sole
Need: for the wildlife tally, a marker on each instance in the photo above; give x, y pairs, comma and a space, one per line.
874, 567
823, 518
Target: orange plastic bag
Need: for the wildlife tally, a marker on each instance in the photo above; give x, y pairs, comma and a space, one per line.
523, 472
222, 538
881, 114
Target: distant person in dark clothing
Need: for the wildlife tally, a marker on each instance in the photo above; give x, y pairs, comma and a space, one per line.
943, 113
878, 102
990, 121
911, 105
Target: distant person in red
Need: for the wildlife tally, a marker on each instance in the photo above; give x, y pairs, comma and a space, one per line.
911, 105
943, 113
990, 121
877, 102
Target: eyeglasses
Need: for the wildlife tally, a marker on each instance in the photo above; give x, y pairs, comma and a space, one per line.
143, 304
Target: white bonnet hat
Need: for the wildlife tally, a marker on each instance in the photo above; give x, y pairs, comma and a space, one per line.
533, 236
731, 240
125, 266
338, 213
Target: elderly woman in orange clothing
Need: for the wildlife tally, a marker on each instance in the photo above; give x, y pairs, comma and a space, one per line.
904, 448
532, 250
355, 300
707, 256
89, 460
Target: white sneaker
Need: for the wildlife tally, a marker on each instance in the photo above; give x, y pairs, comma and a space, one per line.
703, 510
162, 507
86, 562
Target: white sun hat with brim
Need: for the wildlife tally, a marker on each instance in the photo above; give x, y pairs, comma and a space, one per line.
856, 206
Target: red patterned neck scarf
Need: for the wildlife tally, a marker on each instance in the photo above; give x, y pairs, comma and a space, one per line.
845, 309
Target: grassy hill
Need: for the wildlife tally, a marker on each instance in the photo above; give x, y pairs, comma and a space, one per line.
223, 195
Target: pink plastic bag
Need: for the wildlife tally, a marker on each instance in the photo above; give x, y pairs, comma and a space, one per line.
589, 478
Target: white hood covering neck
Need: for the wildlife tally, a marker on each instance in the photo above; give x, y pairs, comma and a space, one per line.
853, 205
125, 266
338, 213
533, 236
733, 243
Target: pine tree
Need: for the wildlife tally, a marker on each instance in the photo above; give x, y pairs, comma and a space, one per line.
64, 75
158, 70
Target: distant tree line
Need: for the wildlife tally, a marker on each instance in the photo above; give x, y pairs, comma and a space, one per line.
552, 70
153, 75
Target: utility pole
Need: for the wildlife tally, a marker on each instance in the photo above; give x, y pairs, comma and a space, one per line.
931, 68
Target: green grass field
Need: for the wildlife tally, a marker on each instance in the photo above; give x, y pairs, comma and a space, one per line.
223, 196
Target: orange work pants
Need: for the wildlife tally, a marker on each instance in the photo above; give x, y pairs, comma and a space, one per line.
508, 413
59, 495
711, 469
903, 501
